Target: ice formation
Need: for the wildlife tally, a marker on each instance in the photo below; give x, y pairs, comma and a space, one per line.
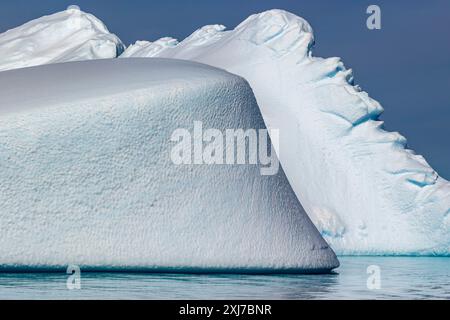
146, 48
70, 35
87, 179
365, 191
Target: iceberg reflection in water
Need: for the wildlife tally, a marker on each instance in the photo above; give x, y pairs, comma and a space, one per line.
401, 278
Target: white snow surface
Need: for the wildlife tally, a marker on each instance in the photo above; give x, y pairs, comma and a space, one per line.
87, 179
365, 191
70, 35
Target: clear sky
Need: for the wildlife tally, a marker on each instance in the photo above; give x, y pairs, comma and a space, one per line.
405, 65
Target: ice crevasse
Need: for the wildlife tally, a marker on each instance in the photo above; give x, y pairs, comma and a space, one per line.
87, 176
364, 190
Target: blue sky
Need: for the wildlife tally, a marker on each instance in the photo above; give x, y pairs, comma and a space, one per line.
405, 65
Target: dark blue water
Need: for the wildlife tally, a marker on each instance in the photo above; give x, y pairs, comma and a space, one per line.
398, 278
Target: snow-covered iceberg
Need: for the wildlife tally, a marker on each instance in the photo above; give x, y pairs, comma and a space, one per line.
70, 35
365, 191
87, 178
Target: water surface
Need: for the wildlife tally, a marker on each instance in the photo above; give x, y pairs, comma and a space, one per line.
400, 278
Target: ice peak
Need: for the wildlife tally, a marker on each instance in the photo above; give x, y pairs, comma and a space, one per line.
73, 8
276, 17
205, 34
279, 30
150, 49
69, 35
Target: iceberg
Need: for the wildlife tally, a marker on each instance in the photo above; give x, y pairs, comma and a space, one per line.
70, 35
364, 190
87, 178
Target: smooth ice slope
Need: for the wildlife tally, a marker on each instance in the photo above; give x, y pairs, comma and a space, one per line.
362, 188
87, 179
70, 35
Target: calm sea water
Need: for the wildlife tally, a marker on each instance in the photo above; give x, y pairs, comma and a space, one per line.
400, 278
